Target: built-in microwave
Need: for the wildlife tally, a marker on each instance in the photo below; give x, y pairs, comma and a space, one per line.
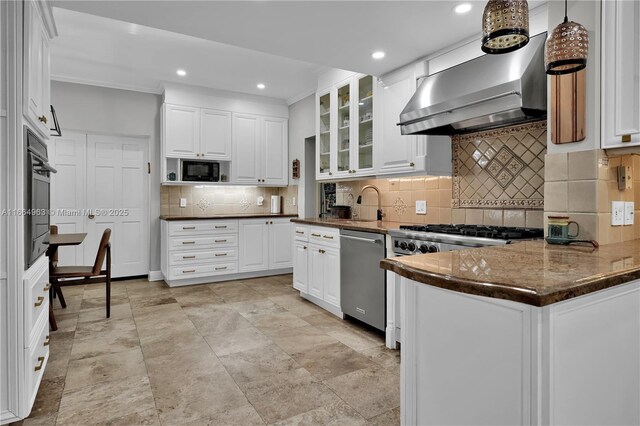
200, 171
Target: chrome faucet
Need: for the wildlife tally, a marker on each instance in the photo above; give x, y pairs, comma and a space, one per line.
379, 213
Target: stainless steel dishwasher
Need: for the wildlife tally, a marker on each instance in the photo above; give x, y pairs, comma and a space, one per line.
362, 282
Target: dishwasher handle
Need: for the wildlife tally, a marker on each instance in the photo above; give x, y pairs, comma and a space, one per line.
368, 240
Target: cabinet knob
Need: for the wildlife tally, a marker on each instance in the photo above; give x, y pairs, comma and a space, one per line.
330, 173
411, 164
626, 138
43, 119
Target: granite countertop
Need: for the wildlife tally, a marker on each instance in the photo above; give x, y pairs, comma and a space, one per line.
227, 216
379, 227
531, 272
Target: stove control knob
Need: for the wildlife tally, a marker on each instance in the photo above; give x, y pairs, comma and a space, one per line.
433, 249
411, 247
403, 245
424, 248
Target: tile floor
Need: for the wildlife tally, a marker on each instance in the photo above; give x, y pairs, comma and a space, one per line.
234, 353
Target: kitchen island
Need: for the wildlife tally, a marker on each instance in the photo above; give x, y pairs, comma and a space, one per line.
526, 333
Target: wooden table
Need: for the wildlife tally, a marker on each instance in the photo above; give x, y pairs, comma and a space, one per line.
55, 241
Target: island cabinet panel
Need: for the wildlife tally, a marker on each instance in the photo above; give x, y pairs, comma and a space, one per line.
478, 360
594, 359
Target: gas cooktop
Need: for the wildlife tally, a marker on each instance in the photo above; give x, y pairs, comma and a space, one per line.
483, 231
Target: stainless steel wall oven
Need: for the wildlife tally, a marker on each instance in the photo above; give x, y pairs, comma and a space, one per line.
37, 197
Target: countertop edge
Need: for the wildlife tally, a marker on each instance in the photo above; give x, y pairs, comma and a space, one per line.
506, 292
231, 216
348, 227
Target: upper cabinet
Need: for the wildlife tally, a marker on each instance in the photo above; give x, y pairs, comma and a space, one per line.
36, 77
260, 150
197, 133
620, 74
344, 129
396, 153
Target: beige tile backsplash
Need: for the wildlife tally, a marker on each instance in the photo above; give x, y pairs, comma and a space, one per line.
582, 186
211, 200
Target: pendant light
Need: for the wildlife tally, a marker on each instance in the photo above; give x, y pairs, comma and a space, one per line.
505, 26
567, 47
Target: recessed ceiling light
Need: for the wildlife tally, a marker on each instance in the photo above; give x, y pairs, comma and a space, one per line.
260, 86
462, 8
377, 55
181, 73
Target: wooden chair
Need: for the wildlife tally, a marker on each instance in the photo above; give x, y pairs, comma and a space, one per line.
76, 275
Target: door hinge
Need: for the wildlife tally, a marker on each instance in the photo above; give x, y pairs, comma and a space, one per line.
148, 168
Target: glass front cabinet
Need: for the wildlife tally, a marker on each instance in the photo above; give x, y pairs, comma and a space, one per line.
344, 129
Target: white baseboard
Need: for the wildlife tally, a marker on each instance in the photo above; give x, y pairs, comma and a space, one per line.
155, 276
227, 277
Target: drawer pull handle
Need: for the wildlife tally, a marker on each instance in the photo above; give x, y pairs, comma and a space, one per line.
39, 302
220, 241
328, 237
188, 257
46, 287
39, 366
221, 268
188, 227
189, 271
221, 254
304, 247
43, 119
321, 251
300, 232
316, 235
47, 340
188, 242
221, 227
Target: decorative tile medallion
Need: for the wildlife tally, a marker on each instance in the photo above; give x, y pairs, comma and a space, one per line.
244, 203
399, 206
501, 168
203, 204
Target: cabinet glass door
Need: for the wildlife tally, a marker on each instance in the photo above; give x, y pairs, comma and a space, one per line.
325, 133
344, 127
365, 122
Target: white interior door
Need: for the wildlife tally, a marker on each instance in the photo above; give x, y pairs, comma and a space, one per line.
118, 190
68, 155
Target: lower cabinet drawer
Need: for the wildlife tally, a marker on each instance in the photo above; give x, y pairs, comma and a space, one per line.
36, 298
37, 356
325, 235
212, 241
189, 271
203, 256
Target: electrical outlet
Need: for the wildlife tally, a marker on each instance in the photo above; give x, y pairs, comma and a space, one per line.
617, 213
293, 201
628, 212
421, 207
260, 200
183, 202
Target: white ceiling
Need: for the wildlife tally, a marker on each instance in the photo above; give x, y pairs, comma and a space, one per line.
340, 34
107, 52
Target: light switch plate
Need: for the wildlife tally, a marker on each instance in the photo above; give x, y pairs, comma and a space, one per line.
183, 202
421, 207
629, 206
617, 213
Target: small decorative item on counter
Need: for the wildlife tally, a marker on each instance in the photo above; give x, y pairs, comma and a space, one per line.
558, 232
171, 176
223, 178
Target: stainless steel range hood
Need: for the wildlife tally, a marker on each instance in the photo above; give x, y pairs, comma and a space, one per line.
487, 92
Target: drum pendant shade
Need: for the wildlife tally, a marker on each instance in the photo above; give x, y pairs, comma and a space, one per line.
505, 26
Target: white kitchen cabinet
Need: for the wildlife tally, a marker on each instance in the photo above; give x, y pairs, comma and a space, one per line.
331, 279
265, 244
620, 74
275, 151
316, 266
212, 250
260, 150
300, 265
191, 132
344, 129
215, 134
280, 248
254, 245
181, 131
36, 71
